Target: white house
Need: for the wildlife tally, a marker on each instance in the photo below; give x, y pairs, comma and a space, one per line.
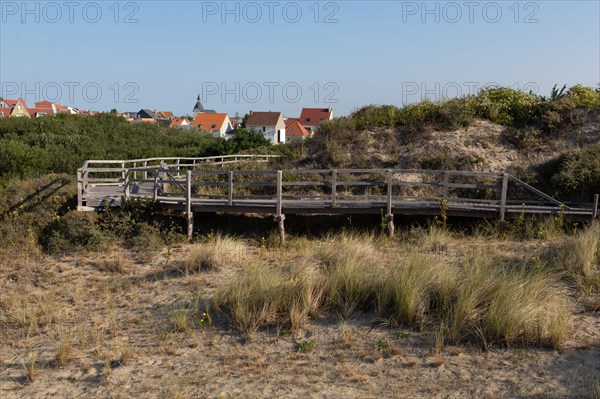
270, 124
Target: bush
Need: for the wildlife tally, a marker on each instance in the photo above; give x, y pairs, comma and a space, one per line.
76, 230
507, 106
523, 138
584, 96
576, 174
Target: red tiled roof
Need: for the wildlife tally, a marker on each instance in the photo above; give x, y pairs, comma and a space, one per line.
61, 108
11, 102
5, 111
209, 120
178, 121
314, 116
47, 111
43, 104
294, 128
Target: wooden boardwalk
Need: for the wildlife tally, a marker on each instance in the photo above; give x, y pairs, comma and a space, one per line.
195, 185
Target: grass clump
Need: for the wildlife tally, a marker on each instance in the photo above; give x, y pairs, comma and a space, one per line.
406, 290
216, 253
578, 257
481, 299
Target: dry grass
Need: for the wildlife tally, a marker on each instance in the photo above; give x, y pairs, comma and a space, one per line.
219, 251
369, 316
65, 351
579, 258
483, 300
115, 263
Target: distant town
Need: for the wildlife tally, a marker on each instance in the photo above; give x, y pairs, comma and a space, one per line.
272, 124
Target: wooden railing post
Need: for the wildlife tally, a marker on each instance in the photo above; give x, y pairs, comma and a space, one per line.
334, 188
503, 197
230, 190
156, 174
126, 188
145, 171
279, 216
123, 171
79, 190
389, 217
595, 211
188, 204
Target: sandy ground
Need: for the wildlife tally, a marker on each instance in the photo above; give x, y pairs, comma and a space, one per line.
121, 343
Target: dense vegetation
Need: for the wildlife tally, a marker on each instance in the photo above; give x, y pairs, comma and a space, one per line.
502, 105
61, 144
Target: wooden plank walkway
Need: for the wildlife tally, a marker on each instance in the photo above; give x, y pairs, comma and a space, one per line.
195, 185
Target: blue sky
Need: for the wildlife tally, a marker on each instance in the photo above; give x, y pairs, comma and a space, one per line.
272, 55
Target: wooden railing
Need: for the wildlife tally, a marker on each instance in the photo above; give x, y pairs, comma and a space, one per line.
422, 192
113, 173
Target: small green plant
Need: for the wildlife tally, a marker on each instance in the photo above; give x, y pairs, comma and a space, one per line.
443, 218
381, 345
304, 346
403, 335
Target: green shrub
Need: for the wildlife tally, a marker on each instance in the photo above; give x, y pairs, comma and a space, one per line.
375, 116
584, 96
76, 230
523, 138
576, 174
507, 106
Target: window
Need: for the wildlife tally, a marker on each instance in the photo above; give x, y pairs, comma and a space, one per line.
19, 106
213, 126
264, 129
200, 125
308, 119
1, 114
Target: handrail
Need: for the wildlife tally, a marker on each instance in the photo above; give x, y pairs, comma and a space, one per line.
319, 189
242, 156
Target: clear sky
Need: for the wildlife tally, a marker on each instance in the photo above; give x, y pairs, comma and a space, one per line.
272, 55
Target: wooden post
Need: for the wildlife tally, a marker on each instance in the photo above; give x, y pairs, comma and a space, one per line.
279, 216
230, 191
595, 211
188, 205
125, 189
389, 217
503, 197
333, 188
145, 171
156, 173
123, 171
79, 191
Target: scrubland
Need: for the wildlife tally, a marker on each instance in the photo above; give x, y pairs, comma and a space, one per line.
434, 312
